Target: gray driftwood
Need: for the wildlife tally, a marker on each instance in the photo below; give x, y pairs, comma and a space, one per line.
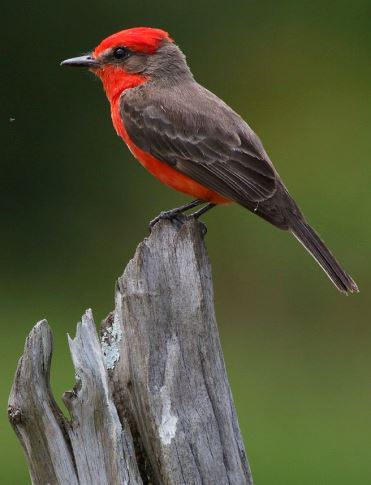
152, 403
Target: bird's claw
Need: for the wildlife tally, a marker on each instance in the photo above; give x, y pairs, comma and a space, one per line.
178, 213
169, 215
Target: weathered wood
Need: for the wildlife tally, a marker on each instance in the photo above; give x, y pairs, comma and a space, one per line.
92, 448
152, 403
103, 449
167, 369
35, 416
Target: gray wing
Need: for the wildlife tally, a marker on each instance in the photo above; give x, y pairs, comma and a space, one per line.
197, 134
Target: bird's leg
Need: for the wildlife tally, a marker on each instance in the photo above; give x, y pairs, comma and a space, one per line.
204, 209
175, 212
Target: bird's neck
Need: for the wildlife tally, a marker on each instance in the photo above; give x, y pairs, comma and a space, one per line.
116, 81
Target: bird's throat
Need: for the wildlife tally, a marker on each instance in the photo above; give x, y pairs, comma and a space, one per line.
116, 81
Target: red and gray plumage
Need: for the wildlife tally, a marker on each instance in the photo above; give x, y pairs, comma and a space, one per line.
190, 139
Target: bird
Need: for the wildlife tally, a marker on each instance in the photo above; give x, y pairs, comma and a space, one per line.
191, 140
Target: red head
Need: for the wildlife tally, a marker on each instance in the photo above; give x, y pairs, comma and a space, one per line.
133, 56
145, 40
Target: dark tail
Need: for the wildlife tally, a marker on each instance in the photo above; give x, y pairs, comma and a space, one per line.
317, 248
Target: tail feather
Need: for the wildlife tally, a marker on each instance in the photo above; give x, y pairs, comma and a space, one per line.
317, 248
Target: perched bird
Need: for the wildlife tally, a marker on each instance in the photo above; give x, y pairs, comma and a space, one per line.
191, 140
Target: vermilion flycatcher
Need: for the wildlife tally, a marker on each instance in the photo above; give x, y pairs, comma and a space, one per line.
191, 140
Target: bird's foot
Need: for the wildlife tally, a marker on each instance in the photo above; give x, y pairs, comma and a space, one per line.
175, 213
169, 215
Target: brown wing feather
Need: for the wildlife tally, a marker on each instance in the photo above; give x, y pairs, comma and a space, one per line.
196, 133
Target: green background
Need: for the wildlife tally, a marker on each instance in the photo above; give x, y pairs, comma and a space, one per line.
74, 204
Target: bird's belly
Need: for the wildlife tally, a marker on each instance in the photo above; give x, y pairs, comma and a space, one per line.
176, 180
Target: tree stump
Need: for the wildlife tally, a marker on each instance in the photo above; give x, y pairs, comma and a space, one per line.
151, 403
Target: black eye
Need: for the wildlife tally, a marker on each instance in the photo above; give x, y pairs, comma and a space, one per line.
121, 53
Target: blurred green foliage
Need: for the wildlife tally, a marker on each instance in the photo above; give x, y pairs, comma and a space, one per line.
74, 204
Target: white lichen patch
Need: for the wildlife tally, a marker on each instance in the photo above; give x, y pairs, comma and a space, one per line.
167, 428
112, 336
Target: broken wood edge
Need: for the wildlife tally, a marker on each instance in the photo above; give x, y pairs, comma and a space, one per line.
102, 445
34, 415
93, 446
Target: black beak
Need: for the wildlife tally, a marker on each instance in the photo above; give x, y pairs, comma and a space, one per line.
83, 61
